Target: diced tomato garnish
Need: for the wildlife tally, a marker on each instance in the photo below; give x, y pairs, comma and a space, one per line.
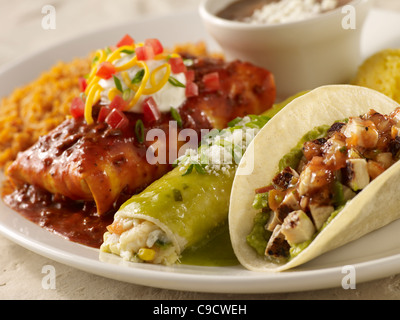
144, 53
177, 65
106, 70
189, 74
77, 108
104, 111
118, 103
150, 111
155, 44
126, 41
116, 119
82, 84
211, 81
192, 90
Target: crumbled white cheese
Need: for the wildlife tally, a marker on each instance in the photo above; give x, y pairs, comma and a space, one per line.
222, 152
290, 10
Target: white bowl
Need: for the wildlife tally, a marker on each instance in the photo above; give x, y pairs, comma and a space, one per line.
302, 55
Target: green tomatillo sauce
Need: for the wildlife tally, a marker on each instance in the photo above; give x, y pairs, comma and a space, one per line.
216, 251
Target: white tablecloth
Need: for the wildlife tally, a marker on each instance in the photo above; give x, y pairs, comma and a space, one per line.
21, 270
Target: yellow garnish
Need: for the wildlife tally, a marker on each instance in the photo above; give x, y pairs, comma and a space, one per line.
148, 84
131, 63
97, 96
165, 56
157, 86
112, 93
94, 81
146, 254
154, 85
116, 54
142, 86
128, 82
99, 57
90, 101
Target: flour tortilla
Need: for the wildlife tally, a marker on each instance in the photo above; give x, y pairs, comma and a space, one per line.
203, 207
372, 208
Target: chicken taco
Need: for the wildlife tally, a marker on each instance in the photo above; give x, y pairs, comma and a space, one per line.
324, 174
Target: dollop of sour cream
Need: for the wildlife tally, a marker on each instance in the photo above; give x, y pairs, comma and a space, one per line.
168, 96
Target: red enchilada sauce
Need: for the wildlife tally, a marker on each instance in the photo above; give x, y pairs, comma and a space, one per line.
78, 221
75, 221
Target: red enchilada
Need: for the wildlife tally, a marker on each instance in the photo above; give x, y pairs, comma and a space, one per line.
97, 158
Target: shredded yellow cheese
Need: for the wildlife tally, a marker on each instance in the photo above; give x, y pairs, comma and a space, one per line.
131, 63
128, 82
157, 86
112, 93
148, 85
163, 56
100, 57
140, 90
90, 100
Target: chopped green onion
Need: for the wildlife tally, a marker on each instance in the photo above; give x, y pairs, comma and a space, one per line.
234, 122
95, 59
138, 77
211, 135
189, 170
258, 121
251, 125
126, 95
82, 95
188, 62
199, 168
176, 116
223, 143
118, 84
127, 51
108, 50
175, 163
139, 130
204, 160
176, 82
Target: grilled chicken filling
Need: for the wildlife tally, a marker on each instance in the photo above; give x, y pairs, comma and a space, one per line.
332, 170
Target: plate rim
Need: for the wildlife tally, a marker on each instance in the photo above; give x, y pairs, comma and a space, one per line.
170, 277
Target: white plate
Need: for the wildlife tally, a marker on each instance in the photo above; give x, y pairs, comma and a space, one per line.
374, 256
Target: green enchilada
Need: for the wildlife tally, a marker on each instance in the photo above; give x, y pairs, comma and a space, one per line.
186, 206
